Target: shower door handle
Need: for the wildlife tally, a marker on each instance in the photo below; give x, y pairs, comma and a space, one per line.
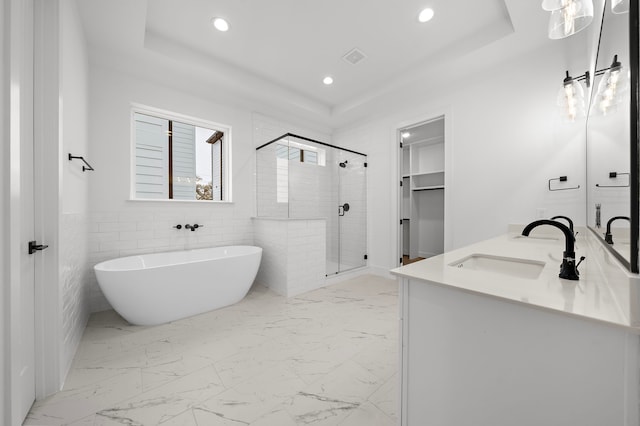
345, 208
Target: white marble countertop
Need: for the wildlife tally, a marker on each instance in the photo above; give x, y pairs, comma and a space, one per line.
605, 292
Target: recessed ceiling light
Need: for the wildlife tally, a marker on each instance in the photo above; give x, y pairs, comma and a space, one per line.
405, 134
425, 15
327, 80
220, 24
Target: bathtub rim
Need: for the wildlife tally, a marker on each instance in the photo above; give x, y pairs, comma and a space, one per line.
100, 266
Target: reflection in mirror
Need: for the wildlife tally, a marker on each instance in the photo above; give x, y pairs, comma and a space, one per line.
176, 160
608, 136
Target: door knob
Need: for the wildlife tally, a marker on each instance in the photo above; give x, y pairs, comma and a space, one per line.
34, 247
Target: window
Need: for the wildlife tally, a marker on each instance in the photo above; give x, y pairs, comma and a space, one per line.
177, 158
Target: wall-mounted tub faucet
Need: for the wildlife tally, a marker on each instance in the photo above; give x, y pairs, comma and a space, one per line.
178, 226
568, 269
565, 218
608, 237
193, 227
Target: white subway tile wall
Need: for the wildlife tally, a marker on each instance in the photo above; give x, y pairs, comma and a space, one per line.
271, 235
306, 256
266, 129
140, 230
119, 234
267, 176
293, 260
73, 274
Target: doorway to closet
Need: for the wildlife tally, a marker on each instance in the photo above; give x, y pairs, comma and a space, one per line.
422, 173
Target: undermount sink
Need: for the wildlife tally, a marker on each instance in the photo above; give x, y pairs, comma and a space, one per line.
520, 268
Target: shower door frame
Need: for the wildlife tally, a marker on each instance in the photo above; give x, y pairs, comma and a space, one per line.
340, 222
289, 134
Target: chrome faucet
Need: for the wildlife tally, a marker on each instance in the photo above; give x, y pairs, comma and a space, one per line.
565, 218
608, 238
568, 269
193, 227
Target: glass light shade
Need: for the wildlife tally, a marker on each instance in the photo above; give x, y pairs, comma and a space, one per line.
612, 89
620, 6
571, 100
221, 24
575, 16
550, 5
426, 15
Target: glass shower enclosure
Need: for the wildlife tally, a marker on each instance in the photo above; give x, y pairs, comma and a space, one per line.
301, 178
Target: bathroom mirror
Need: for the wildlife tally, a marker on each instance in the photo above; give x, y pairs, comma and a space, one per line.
610, 166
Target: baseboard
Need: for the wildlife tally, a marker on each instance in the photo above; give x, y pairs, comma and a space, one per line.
366, 270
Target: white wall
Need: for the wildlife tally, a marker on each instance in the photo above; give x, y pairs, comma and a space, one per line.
119, 227
74, 96
507, 141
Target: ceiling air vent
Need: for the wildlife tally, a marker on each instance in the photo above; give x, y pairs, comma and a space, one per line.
354, 56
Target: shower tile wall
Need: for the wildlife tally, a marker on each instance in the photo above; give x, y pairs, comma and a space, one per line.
118, 234
266, 129
310, 190
266, 184
293, 261
73, 274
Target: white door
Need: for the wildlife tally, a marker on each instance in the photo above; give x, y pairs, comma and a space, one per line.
25, 338
26, 335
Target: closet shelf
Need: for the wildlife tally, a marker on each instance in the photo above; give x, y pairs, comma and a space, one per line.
427, 188
434, 172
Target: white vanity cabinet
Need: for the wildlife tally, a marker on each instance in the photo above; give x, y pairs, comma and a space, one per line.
475, 358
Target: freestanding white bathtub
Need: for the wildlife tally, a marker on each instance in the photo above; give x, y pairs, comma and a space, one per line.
156, 288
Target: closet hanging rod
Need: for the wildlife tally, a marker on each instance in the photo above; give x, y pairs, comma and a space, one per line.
435, 188
84, 168
561, 179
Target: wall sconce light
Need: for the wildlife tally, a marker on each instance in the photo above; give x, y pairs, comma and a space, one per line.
612, 87
620, 6
568, 16
571, 95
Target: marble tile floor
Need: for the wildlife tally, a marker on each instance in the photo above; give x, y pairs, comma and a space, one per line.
328, 357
